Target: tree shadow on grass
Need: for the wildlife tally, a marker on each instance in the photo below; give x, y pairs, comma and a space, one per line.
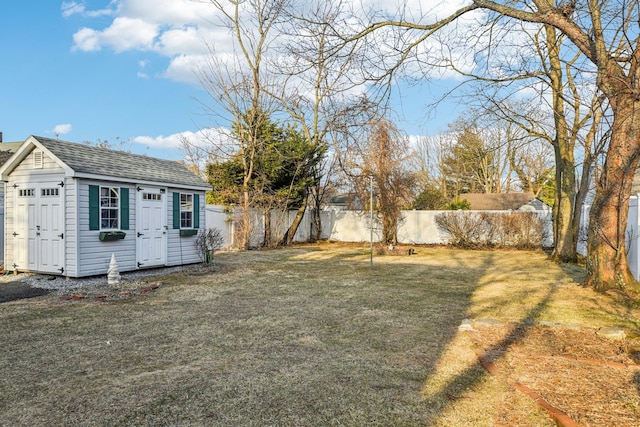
474, 374
308, 342
456, 277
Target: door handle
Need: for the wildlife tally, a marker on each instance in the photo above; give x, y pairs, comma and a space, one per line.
140, 234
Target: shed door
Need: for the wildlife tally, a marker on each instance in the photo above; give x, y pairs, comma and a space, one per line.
151, 227
39, 228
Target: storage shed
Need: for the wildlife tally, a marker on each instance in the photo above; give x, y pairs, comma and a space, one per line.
69, 206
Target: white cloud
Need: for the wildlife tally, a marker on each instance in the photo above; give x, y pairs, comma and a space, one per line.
170, 12
61, 129
122, 35
202, 138
142, 64
181, 41
86, 40
180, 30
73, 8
184, 68
171, 141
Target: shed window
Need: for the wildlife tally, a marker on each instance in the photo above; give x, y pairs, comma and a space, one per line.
186, 210
154, 197
109, 207
50, 192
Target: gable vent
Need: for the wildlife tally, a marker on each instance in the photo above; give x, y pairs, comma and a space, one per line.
38, 159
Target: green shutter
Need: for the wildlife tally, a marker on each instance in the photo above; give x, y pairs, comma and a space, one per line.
196, 211
94, 207
176, 211
124, 208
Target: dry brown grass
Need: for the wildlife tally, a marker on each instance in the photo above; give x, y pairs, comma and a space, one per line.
297, 337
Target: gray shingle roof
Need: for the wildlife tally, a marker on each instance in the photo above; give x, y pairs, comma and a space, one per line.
88, 159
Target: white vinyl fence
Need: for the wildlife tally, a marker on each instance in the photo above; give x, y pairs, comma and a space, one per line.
633, 254
415, 227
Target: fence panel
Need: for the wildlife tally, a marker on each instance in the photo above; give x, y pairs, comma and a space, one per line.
415, 227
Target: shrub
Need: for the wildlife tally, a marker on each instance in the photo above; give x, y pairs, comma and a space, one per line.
465, 229
474, 230
458, 204
207, 242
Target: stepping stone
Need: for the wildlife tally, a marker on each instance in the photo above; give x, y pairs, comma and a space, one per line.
611, 333
466, 325
489, 322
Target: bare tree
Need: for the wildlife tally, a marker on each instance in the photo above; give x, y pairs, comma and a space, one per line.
606, 34
317, 87
239, 83
556, 113
382, 155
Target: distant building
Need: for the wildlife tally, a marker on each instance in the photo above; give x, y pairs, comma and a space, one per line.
505, 202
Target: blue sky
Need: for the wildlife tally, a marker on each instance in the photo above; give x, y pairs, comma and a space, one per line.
120, 70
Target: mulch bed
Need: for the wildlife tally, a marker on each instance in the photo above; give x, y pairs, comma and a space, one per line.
595, 381
19, 290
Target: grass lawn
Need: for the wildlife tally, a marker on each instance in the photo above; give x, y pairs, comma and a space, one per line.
303, 336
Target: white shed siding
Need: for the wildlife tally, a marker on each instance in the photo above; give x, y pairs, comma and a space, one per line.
25, 170
182, 249
94, 255
2, 234
9, 218
71, 227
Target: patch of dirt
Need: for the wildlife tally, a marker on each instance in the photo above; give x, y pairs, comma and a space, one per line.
594, 380
12, 291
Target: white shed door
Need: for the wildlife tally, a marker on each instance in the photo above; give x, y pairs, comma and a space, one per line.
39, 228
151, 227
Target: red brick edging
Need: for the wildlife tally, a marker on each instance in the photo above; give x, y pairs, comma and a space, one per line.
102, 297
556, 414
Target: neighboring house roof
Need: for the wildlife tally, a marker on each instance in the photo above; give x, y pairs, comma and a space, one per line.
340, 199
10, 147
4, 156
86, 161
345, 201
497, 202
7, 149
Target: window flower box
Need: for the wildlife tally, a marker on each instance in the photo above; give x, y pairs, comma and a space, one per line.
107, 236
189, 232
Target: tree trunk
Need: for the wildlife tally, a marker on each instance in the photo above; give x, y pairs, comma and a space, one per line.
563, 144
287, 239
317, 225
266, 242
586, 177
564, 206
607, 265
245, 228
316, 212
581, 196
389, 228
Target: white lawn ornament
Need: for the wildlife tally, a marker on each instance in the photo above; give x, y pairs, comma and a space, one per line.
113, 275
